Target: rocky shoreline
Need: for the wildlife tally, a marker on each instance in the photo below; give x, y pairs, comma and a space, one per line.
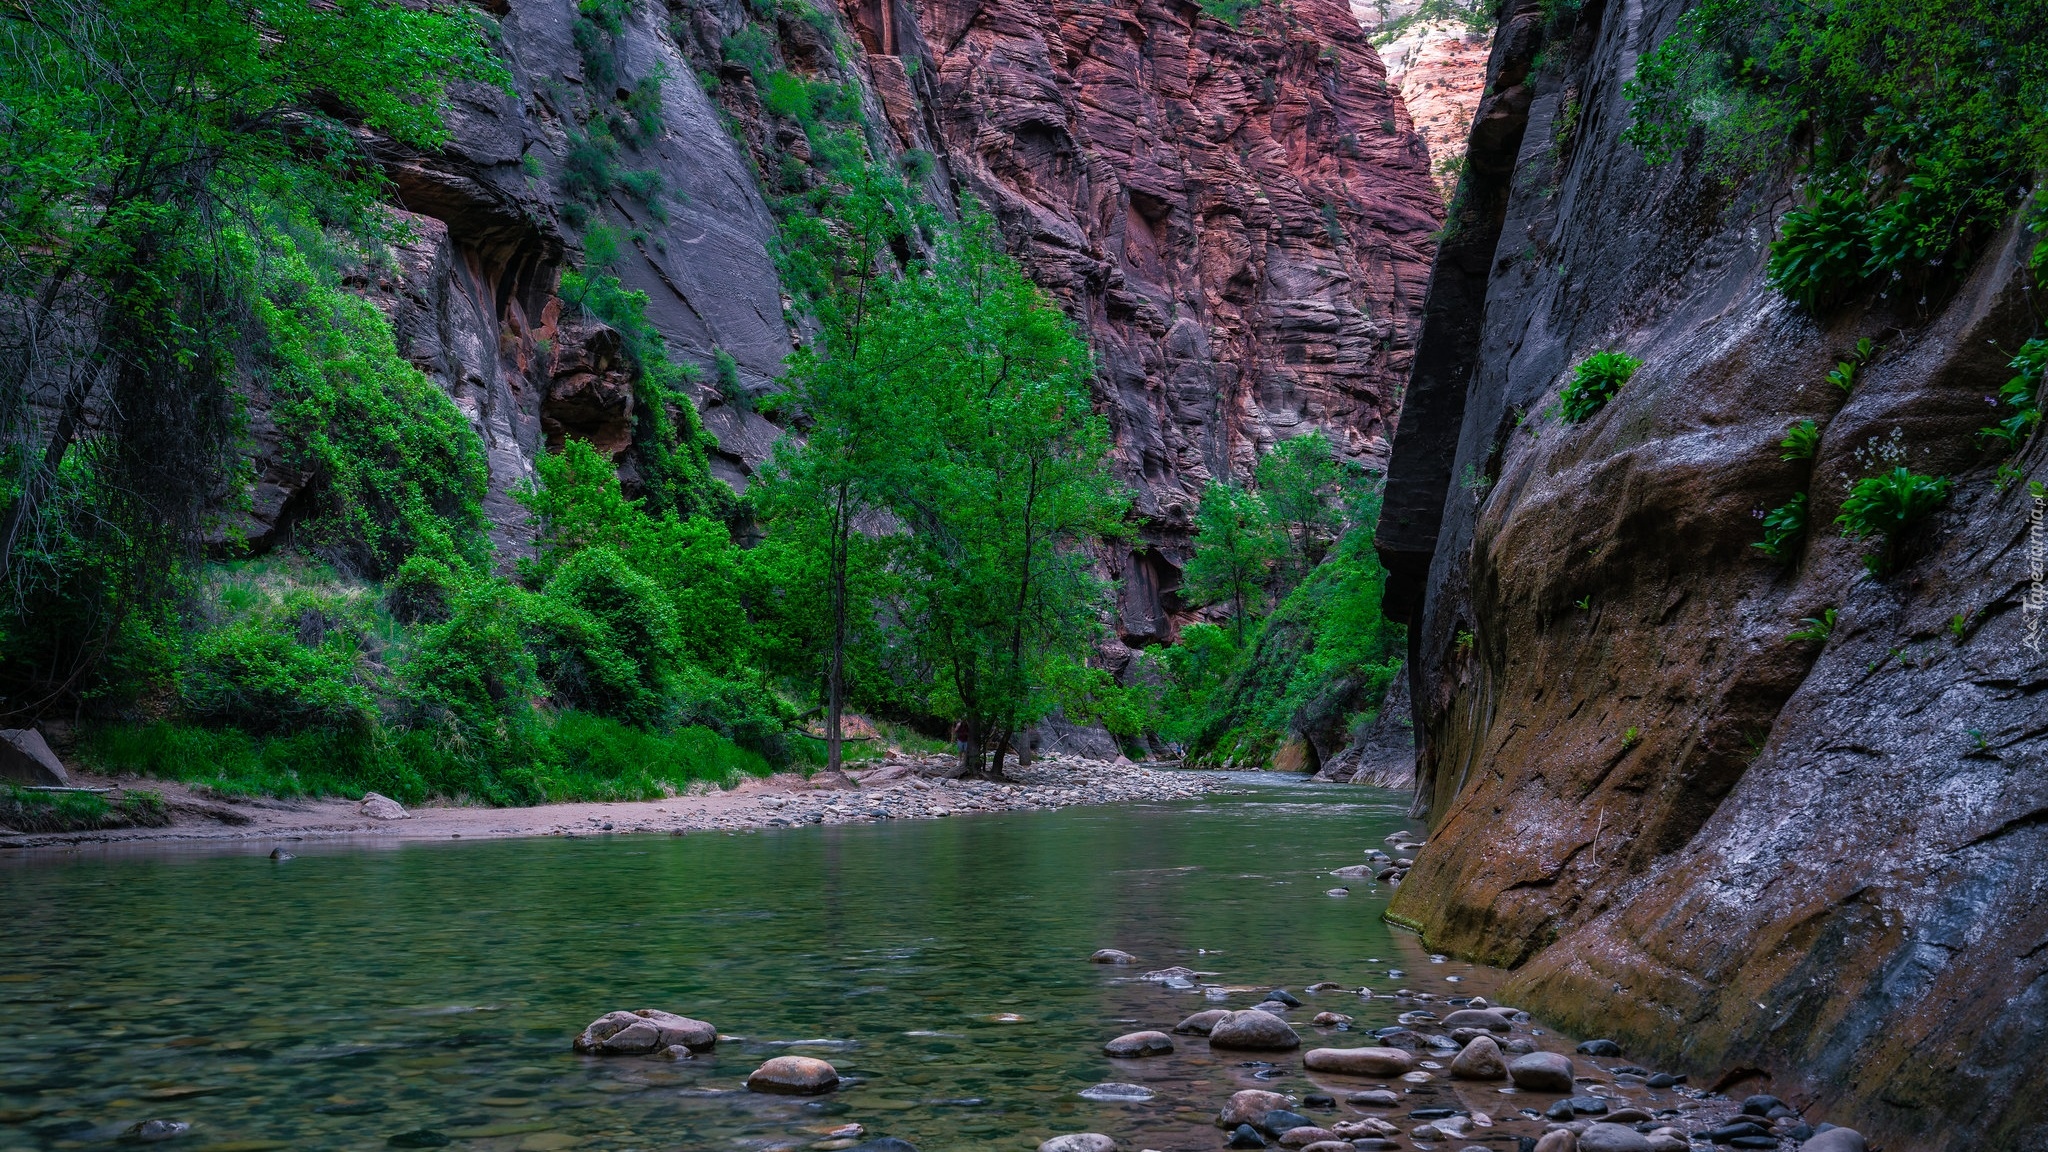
1452, 1072
895, 788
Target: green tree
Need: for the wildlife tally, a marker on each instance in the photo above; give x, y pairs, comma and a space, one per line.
1236, 548
1303, 486
148, 150
1001, 481
842, 389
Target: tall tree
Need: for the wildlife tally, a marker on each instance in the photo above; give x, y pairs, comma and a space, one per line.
841, 262
1002, 482
1302, 484
1235, 551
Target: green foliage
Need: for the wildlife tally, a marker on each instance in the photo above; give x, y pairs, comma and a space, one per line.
1304, 488
1888, 504
1475, 15
1231, 12
397, 469
727, 371
1594, 382
1928, 121
1802, 440
148, 151
1783, 526
255, 675
28, 810
1235, 551
1323, 660
2023, 394
1814, 628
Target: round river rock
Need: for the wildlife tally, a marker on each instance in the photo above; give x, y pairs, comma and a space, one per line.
1542, 1072
1256, 1030
794, 1076
1359, 1061
1480, 1060
1139, 1044
1604, 1137
644, 1031
1079, 1142
1200, 1023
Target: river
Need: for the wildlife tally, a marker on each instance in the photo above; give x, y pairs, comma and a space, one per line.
359, 992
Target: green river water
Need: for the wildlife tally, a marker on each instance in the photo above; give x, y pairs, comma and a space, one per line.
360, 992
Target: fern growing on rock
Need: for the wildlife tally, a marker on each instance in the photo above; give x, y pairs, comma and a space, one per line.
1594, 382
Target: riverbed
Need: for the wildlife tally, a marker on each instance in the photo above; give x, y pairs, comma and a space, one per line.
429, 991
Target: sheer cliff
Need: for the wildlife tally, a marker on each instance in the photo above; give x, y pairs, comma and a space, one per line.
1241, 219
1815, 861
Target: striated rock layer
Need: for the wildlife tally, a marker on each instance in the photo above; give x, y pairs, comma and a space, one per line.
1819, 865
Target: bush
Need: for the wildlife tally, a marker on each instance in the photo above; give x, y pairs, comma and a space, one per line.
252, 675
1822, 254
421, 591
1801, 440
1594, 382
604, 638
1887, 505
472, 676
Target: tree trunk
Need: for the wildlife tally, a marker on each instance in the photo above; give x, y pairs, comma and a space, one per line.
834, 774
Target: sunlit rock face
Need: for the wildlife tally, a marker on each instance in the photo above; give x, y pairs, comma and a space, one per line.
1725, 847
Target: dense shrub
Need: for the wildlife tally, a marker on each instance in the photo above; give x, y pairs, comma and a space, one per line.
1887, 505
254, 675
1594, 382
604, 638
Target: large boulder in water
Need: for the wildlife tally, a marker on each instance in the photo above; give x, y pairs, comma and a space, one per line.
1253, 1029
1542, 1072
644, 1031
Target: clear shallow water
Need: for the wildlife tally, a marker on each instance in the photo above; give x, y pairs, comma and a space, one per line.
356, 993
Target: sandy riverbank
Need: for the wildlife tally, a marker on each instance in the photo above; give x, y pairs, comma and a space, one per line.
894, 789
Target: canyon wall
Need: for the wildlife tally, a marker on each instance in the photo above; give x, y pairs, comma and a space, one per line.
1240, 218
1813, 866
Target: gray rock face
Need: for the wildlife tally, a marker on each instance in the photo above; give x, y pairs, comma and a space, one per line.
1254, 1030
1541, 1072
1660, 877
644, 1031
25, 758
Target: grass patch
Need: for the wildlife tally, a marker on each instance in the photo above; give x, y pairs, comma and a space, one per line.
25, 810
574, 756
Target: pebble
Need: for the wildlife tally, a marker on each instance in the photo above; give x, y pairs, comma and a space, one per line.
1079, 1142
378, 806
1588, 1105
1761, 1105
151, 1131
1557, 1140
1606, 1137
1255, 1030
1284, 997
1599, 1048
1200, 1023
1112, 956
794, 1076
1139, 1044
1330, 1020
885, 1144
1541, 1072
1358, 1061
1331, 1146
1306, 1136
1664, 1080
1480, 1060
